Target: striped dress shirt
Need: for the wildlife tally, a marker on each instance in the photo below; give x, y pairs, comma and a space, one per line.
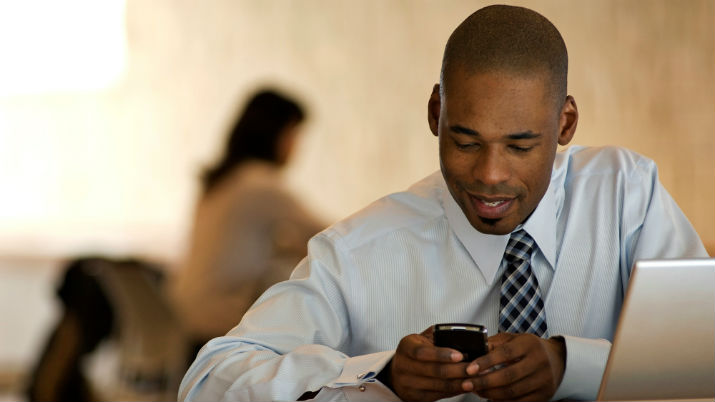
412, 259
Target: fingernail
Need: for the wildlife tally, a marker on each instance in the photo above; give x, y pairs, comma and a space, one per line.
467, 385
472, 369
456, 356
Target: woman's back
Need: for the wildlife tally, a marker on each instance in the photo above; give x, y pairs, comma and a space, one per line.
248, 233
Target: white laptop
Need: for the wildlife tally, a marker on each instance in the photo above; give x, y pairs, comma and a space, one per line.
664, 346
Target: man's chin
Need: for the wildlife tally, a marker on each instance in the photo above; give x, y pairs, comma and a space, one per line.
492, 226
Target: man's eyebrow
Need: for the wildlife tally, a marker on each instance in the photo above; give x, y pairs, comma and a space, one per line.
463, 130
526, 135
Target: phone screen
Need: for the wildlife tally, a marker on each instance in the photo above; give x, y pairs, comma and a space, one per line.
469, 339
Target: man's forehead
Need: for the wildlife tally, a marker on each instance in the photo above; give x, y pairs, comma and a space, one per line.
516, 91
458, 77
495, 87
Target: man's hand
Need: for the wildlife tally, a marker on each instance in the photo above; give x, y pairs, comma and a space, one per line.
519, 367
420, 371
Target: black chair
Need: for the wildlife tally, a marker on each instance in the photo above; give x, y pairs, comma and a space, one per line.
119, 300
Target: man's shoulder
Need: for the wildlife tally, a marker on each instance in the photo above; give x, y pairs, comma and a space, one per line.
607, 161
411, 209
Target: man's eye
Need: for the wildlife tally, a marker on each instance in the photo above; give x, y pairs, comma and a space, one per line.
520, 149
468, 145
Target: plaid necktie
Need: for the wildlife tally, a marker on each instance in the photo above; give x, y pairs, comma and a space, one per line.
522, 309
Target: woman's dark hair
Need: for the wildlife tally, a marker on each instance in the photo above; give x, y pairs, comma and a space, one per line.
255, 134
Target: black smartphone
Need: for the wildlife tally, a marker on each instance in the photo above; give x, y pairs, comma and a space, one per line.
470, 339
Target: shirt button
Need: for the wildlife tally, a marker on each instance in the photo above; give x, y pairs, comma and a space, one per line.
361, 388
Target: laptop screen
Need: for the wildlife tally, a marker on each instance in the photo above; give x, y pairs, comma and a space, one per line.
664, 346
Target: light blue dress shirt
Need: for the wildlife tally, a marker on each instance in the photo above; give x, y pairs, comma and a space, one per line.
412, 259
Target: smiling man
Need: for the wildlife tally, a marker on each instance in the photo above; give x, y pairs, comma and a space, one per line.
497, 149
535, 245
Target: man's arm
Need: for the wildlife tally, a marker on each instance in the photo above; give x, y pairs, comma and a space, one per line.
289, 342
250, 373
652, 226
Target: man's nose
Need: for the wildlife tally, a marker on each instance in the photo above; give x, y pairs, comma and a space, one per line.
491, 167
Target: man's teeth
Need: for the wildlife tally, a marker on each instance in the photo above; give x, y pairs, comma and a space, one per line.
493, 204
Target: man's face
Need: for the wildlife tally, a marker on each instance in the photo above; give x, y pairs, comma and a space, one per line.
498, 134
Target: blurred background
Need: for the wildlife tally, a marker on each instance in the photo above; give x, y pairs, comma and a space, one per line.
110, 109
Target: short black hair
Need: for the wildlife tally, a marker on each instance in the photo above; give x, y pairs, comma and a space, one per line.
510, 39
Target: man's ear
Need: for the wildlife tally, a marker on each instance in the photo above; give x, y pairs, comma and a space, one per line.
568, 121
433, 109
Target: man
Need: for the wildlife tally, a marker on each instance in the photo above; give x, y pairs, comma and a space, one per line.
536, 246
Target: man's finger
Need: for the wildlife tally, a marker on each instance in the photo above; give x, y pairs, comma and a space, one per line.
429, 333
429, 368
436, 354
417, 347
508, 376
435, 370
505, 353
445, 387
500, 339
530, 388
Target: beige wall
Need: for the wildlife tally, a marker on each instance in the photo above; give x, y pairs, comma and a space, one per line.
113, 169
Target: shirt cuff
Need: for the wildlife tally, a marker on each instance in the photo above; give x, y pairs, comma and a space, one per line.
358, 382
585, 362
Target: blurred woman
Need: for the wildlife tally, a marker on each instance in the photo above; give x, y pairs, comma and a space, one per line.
248, 231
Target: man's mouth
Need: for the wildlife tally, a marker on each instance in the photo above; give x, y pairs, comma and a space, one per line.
492, 207
493, 204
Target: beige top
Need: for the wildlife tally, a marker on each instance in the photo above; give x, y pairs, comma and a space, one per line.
248, 233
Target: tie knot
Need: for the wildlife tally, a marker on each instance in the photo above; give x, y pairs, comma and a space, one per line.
519, 247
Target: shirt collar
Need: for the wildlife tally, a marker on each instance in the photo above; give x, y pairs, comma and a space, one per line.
487, 250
